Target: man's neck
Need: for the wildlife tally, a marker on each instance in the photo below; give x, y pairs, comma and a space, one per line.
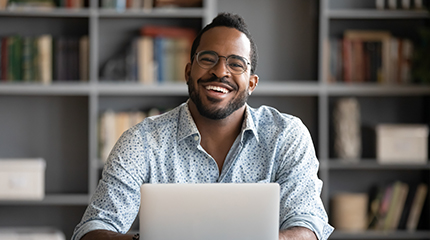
217, 136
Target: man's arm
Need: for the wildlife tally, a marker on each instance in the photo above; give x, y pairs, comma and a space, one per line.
105, 234
297, 233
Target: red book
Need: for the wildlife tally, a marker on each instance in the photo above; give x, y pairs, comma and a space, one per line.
169, 32
4, 59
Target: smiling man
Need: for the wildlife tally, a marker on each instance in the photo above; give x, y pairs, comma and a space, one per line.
215, 137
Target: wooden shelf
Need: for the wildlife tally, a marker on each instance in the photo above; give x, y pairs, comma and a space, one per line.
372, 164
337, 234
53, 199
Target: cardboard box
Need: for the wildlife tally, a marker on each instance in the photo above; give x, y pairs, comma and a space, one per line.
22, 233
22, 179
402, 143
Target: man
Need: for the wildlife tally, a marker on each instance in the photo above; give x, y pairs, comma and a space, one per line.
213, 137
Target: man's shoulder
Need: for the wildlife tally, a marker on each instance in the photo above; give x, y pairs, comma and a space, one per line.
270, 116
162, 122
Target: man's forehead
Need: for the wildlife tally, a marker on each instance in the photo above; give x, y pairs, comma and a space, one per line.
229, 39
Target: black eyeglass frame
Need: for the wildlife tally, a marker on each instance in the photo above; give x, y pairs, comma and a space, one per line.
226, 61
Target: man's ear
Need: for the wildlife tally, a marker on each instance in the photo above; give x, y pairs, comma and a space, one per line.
187, 71
253, 82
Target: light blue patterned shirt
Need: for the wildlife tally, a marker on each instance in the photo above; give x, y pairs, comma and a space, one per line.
272, 147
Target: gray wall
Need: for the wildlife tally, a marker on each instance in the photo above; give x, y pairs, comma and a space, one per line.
285, 32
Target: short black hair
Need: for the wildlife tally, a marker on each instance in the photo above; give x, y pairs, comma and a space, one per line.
232, 21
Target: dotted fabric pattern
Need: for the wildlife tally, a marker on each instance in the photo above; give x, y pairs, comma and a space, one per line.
272, 147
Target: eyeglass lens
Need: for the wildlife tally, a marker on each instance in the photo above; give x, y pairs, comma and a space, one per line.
208, 59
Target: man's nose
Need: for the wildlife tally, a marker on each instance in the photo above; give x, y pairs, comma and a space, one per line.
220, 69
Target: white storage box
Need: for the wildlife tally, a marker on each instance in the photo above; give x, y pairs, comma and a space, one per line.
402, 143
22, 179
31, 234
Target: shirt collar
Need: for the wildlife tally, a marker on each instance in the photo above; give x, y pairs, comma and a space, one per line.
187, 127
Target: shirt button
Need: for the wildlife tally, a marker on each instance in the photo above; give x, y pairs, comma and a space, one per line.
196, 138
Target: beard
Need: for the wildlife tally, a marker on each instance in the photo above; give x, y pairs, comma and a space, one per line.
213, 112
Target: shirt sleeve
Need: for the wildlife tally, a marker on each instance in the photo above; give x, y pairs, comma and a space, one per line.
115, 203
301, 204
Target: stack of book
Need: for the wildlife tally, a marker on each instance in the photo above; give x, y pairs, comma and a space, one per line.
370, 56
43, 4
43, 59
113, 124
147, 5
397, 206
159, 55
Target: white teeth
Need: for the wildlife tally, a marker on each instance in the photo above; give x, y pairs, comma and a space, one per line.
218, 89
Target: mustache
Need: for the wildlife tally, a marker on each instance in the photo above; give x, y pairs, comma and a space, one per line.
219, 80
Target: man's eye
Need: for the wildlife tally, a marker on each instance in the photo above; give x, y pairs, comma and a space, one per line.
207, 60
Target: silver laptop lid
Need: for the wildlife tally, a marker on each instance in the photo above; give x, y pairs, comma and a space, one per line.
227, 211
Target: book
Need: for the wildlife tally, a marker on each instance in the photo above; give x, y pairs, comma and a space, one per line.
416, 208
147, 5
31, 4
384, 207
112, 125
4, 59
60, 63
177, 3
145, 60
44, 44
169, 32
84, 58
3, 4
384, 37
347, 60
15, 58
182, 50
405, 61
397, 203
28, 54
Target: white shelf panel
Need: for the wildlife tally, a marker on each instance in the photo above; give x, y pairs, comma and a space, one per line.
340, 89
376, 14
53, 199
73, 89
269, 88
290, 88
338, 234
371, 164
171, 89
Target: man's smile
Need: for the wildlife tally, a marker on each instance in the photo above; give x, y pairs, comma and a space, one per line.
217, 89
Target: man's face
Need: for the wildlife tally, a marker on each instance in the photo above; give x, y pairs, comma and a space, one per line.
216, 92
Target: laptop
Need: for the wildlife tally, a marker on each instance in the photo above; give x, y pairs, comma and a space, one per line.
216, 211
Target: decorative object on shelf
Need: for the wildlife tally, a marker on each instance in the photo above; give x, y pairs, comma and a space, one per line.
418, 4
402, 143
380, 4
392, 4
22, 179
346, 121
406, 4
349, 211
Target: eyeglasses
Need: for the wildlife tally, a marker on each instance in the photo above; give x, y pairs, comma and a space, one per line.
235, 64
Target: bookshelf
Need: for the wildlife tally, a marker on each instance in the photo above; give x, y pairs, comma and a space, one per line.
395, 100
62, 118
59, 121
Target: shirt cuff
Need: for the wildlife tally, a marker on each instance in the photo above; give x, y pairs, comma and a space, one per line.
321, 229
91, 226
